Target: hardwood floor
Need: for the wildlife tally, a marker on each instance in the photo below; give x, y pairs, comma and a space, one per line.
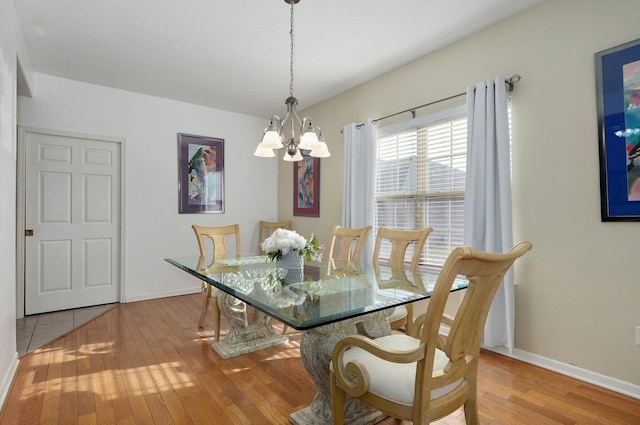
147, 363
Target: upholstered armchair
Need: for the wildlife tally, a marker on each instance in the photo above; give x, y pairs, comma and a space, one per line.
424, 377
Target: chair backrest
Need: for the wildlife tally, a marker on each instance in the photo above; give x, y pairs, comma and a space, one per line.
400, 240
267, 228
485, 272
218, 237
349, 243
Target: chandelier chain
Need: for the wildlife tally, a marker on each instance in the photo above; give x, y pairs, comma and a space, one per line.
291, 55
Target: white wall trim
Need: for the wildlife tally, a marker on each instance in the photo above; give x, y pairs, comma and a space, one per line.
20, 221
566, 369
156, 295
572, 371
7, 379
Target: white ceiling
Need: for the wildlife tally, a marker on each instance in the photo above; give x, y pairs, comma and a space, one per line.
234, 54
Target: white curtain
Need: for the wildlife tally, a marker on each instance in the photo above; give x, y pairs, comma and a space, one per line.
487, 223
358, 196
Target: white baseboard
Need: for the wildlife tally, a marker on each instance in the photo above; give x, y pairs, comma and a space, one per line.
153, 296
7, 379
613, 384
572, 371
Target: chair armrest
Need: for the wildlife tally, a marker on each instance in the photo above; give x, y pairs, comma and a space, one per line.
447, 320
417, 325
353, 377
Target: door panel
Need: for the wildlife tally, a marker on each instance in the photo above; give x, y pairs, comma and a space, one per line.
55, 198
72, 203
98, 207
55, 257
98, 262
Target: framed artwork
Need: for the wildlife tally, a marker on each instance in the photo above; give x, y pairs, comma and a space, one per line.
200, 174
618, 98
306, 186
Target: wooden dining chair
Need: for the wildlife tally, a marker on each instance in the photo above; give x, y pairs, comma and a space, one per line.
346, 243
423, 377
267, 228
400, 241
218, 237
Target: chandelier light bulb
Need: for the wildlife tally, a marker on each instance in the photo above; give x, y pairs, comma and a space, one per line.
321, 151
271, 139
309, 140
297, 156
263, 152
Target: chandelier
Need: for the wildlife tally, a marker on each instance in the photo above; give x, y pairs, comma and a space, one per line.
281, 133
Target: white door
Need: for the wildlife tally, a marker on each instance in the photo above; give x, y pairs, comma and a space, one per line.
72, 209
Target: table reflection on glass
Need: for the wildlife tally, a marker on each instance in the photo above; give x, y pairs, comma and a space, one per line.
327, 300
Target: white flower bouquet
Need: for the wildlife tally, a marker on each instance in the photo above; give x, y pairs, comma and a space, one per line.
283, 241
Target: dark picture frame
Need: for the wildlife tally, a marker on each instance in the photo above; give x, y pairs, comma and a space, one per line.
306, 186
618, 104
311, 272
200, 174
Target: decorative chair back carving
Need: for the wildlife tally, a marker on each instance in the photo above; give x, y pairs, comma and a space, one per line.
401, 240
218, 237
346, 243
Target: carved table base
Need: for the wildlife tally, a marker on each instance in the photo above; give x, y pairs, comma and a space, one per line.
244, 337
316, 349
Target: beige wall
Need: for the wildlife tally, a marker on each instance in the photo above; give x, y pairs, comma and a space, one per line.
578, 291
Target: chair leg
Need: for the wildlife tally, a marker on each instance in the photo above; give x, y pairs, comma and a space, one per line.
216, 317
206, 296
471, 416
398, 323
471, 412
408, 327
284, 329
337, 398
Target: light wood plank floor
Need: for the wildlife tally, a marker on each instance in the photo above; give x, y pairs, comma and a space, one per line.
147, 363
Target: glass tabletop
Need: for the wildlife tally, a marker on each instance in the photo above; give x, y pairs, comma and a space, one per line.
322, 293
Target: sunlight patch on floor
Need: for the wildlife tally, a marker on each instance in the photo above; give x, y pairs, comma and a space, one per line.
107, 384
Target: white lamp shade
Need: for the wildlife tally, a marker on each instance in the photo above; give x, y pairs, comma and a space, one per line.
294, 158
308, 141
321, 151
264, 152
271, 140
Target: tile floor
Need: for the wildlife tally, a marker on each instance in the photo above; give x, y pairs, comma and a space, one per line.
34, 331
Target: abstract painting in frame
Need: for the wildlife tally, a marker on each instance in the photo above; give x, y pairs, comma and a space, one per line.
306, 186
201, 174
618, 102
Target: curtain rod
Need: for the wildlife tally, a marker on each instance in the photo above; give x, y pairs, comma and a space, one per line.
509, 81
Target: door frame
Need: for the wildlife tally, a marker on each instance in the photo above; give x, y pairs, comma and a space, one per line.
21, 208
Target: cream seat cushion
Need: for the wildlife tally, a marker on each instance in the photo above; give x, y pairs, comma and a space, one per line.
396, 381
397, 313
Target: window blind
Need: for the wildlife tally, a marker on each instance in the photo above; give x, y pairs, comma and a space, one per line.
420, 183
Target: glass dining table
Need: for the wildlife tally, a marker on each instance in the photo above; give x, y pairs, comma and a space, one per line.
326, 300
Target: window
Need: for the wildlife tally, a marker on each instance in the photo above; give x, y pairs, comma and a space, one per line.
420, 181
